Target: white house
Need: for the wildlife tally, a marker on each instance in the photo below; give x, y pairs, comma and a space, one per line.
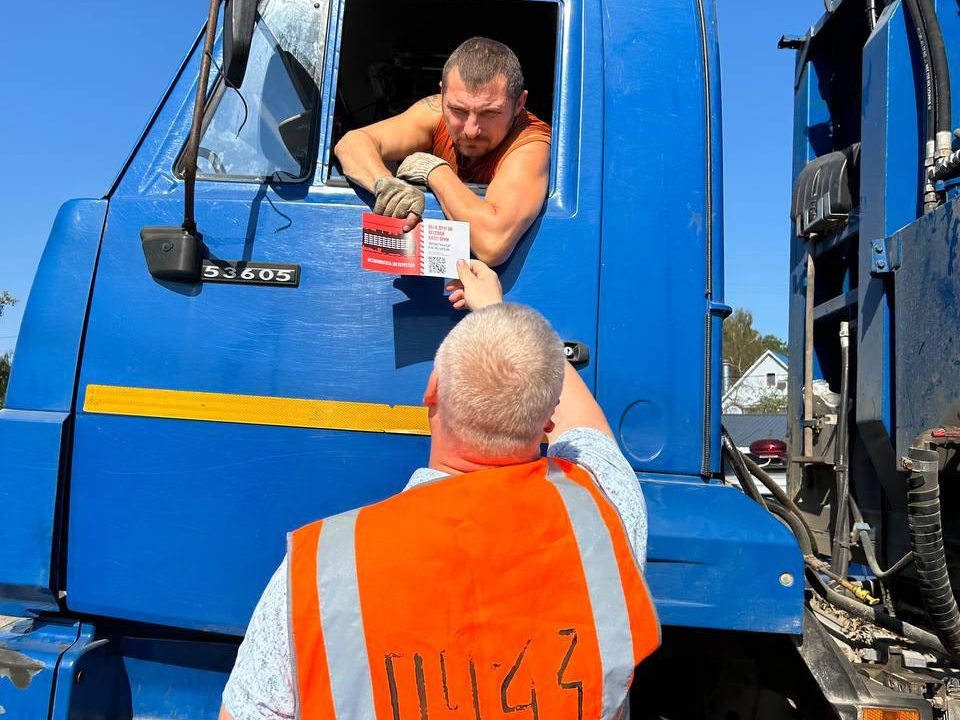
766, 377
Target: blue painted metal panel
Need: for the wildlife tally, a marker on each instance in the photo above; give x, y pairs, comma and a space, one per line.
29, 653
118, 676
176, 679
892, 137
927, 346
194, 524
716, 558
210, 503
48, 348
202, 507
653, 276
31, 457
717, 308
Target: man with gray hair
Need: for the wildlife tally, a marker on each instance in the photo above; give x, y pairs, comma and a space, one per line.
500, 383
476, 130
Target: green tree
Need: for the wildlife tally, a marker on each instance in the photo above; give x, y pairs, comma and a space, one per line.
771, 403
5, 361
742, 344
6, 299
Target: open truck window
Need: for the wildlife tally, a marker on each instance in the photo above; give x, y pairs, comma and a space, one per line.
392, 55
266, 130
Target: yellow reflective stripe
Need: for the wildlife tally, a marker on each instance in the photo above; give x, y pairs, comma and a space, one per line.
256, 410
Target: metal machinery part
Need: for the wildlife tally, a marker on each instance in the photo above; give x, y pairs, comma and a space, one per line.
871, 385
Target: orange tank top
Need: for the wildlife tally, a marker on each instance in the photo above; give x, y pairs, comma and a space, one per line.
479, 595
527, 129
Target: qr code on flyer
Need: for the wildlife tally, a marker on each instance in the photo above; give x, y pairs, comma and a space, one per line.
437, 264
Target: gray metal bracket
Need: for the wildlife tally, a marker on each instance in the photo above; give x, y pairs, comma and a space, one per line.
885, 255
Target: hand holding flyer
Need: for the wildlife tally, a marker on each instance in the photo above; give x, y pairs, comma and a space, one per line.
431, 249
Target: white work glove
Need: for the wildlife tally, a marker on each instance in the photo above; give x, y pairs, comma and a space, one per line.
396, 198
417, 167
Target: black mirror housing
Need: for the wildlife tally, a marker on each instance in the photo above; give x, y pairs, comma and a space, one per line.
173, 253
239, 19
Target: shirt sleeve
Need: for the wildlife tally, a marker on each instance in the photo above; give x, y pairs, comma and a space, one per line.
261, 684
598, 453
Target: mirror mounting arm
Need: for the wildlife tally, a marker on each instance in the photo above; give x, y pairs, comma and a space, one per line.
193, 143
175, 254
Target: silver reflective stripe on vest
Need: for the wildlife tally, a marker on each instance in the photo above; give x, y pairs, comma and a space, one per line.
341, 620
610, 616
291, 644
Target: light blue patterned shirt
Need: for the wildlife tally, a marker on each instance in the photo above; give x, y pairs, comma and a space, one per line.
261, 684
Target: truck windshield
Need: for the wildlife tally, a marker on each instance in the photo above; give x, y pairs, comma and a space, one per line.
266, 129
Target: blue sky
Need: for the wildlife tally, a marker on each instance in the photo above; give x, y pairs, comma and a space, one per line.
80, 79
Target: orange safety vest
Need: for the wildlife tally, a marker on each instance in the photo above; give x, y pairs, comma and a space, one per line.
478, 596
527, 129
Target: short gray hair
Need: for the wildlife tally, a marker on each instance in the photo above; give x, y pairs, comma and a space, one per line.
480, 60
499, 376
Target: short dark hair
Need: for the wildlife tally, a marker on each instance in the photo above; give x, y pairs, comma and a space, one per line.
479, 60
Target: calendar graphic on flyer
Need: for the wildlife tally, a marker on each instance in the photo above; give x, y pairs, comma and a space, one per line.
431, 249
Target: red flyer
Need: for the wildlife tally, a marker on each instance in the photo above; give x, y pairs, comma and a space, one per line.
431, 249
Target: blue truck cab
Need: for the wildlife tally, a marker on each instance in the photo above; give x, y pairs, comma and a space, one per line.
160, 437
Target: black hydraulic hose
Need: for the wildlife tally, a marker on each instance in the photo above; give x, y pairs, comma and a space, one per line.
874, 615
916, 19
880, 574
929, 555
870, 552
781, 496
792, 516
793, 521
871, 14
743, 468
736, 461
941, 69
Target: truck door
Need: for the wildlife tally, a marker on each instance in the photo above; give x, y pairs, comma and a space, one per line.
213, 418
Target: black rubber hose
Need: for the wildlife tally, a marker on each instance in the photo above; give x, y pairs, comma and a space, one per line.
929, 555
739, 469
941, 68
779, 493
796, 527
870, 552
916, 19
874, 615
786, 509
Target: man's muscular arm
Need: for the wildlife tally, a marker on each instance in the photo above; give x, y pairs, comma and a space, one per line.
512, 202
362, 152
513, 198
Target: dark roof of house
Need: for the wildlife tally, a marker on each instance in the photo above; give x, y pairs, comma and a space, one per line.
744, 429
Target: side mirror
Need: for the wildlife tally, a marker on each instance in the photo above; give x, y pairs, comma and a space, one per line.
176, 253
239, 18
